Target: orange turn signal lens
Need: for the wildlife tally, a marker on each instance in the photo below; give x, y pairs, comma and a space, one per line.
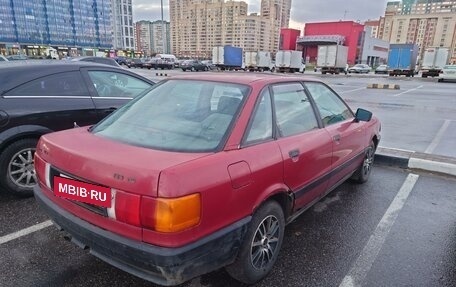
177, 214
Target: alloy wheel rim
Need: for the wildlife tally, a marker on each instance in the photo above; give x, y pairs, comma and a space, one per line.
265, 242
21, 169
368, 161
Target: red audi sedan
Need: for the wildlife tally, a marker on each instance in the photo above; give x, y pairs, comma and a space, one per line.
203, 172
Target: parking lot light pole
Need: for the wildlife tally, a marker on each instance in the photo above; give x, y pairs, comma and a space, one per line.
163, 28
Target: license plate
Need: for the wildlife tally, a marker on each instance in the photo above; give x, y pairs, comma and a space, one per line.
82, 191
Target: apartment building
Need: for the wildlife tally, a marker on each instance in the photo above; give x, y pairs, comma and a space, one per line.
122, 25
152, 37
71, 27
143, 37
199, 25
374, 25
428, 23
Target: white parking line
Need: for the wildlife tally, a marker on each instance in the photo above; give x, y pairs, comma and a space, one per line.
344, 92
438, 137
408, 91
25, 231
363, 264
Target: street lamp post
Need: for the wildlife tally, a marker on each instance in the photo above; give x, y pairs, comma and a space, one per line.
163, 27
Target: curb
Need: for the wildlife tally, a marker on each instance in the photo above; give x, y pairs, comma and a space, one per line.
384, 86
416, 160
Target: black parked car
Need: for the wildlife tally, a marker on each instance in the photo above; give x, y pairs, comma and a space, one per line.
42, 97
123, 61
193, 65
138, 63
99, 60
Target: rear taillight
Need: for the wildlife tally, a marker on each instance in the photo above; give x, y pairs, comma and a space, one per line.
127, 208
40, 168
160, 214
171, 214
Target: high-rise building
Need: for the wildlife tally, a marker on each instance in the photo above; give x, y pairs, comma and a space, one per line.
122, 20
160, 40
199, 25
374, 25
427, 23
150, 35
31, 26
143, 37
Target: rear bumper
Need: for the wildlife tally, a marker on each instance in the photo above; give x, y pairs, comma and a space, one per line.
164, 266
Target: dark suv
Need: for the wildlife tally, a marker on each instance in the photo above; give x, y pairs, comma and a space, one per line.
38, 98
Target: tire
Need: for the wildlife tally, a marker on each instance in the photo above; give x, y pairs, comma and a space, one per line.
16, 165
206, 69
248, 268
361, 175
183, 70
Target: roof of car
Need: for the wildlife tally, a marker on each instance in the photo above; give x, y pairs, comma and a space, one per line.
246, 78
13, 73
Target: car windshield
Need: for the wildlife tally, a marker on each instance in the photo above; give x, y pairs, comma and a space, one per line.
177, 115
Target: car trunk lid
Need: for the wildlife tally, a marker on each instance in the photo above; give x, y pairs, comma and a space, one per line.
94, 159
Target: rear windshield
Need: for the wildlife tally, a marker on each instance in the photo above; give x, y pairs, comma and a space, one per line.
177, 115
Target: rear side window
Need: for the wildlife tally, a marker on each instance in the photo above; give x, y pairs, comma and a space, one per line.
56, 85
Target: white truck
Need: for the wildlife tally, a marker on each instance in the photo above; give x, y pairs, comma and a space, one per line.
332, 58
434, 60
258, 61
289, 61
51, 53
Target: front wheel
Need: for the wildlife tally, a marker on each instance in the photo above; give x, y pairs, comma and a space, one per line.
361, 175
261, 245
17, 167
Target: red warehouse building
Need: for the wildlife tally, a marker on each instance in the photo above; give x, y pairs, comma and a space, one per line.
347, 33
288, 38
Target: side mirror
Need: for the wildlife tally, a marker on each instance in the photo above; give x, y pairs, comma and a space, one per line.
363, 115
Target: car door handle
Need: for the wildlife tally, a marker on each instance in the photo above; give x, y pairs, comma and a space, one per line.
294, 153
336, 138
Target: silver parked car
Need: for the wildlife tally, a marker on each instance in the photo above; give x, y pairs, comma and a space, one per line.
359, 68
382, 69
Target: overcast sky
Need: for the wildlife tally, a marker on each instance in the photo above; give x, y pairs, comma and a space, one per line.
302, 11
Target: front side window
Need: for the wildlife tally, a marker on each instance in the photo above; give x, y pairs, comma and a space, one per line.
177, 115
115, 84
57, 85
332, 109
294, 112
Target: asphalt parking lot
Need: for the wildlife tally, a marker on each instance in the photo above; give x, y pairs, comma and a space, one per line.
390, 231
398, 229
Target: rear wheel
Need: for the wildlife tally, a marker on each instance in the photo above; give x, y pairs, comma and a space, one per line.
261, 245
17, 167
361, 175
